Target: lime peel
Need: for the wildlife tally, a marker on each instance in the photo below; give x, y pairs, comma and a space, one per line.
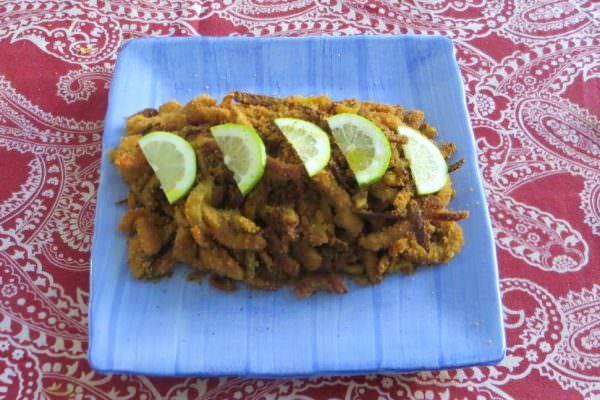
427, 164
364, 145
173, 160
309, 141
244, 153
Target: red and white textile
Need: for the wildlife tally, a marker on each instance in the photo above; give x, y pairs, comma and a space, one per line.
532, 75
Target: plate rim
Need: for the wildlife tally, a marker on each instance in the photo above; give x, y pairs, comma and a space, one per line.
495, 356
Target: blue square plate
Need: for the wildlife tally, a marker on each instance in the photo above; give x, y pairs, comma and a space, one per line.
442, 317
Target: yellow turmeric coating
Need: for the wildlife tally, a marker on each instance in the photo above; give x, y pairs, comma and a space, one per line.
291, 230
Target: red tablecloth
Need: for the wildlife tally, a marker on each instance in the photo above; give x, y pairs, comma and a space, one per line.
532, 75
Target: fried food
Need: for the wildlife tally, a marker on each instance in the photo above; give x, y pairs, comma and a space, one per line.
291, 229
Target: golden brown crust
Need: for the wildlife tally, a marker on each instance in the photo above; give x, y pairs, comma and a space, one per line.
340, 200
291, 230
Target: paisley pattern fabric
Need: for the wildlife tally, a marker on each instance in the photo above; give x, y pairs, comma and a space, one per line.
532, 75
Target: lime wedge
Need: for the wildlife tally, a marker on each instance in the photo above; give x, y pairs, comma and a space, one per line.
173, 160
427, 165
310, 142
244, 153
364, 145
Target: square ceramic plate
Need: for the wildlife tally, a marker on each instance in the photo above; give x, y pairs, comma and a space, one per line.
442, 317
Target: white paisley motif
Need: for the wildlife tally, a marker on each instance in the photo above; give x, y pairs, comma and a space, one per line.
576, 362
537, 20
526, 65
78, 85
74, 215
590, 204
20, 197
537, 237
62, 210
19, 370
568, 134
39, 312
41, 126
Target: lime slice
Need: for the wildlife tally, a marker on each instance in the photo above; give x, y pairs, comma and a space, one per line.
173, 160
427, 165
244, 153
310, 142
364, 145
